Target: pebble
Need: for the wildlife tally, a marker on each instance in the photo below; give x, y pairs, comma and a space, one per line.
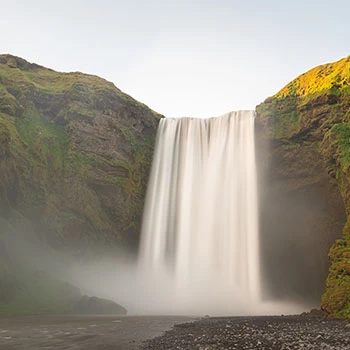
248, 333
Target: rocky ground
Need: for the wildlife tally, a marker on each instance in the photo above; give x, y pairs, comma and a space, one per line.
270, 333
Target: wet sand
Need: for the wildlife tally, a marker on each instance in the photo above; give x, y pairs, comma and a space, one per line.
81, 332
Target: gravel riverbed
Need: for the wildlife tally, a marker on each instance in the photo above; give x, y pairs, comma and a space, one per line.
242, 333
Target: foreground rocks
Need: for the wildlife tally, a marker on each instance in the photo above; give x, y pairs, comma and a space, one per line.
272, 333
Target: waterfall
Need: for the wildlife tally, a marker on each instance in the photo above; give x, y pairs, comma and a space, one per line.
200, 229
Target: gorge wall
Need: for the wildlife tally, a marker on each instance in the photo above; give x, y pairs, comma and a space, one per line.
306, 192
75, 153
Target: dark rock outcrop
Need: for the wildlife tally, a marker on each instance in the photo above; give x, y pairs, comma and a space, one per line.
33, 292
96, 306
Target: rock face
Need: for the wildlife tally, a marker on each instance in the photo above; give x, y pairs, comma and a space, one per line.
75, 153
74, 156
305, 129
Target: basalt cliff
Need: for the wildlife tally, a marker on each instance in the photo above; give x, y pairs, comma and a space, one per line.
307, 181
75, 153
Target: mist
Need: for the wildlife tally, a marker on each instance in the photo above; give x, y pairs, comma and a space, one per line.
120, 277
289, 265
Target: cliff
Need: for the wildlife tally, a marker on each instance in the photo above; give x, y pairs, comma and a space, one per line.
307, 126
75, 153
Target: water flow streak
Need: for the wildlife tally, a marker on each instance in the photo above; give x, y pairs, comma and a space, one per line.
200, 225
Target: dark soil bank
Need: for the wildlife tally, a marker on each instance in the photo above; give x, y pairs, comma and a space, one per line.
270, 333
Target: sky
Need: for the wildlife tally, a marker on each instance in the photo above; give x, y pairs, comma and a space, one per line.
181, 58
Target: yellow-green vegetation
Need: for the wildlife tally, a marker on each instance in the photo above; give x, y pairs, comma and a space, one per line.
286, 119
341, 132
336, 299
315, 108
328, 84
75, 153
325, 77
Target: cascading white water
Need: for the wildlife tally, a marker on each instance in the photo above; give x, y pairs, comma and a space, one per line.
199, 249
200, 225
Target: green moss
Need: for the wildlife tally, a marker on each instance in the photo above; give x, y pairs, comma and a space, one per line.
60, 181
69, 193
281, 115
12, 158
15, 80
135, 185
341, 133
8, 103
336, 299
313, 111
5, 137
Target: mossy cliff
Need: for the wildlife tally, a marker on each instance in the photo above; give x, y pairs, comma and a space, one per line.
75, 153
74, 156
307, 125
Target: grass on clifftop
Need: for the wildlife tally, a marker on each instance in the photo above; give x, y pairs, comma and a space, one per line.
282, 113
329, 76
23, 77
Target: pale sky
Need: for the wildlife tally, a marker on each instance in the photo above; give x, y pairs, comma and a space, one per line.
181, 58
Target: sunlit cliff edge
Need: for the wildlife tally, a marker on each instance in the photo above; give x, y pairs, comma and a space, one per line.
308, 125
